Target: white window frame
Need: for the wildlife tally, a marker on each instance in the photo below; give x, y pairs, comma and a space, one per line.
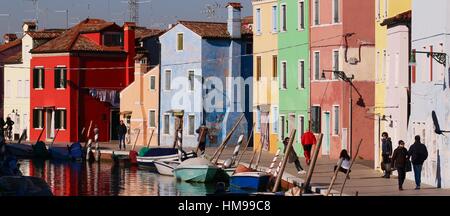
283, 22
274, 19
27, 88
258, 15
164, 124
19, 89
284, 85
8, 89
385, 65
386, 8
333, 76
43, 71
281, 128
300, 126
377, 66
188, 122
301, 16
61, 68
378, 9
338, 119
316, 14
54, 118
275, 120
301, 74
149, 123
314, 63
165, 80
150, 83
258, 120
333, 10
43, 117
177, 42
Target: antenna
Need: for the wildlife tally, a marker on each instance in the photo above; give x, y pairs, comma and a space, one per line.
133, 9
67, 16
210, 10
36, 10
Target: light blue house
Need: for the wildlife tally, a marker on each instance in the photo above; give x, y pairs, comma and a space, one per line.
197, 61
430, 90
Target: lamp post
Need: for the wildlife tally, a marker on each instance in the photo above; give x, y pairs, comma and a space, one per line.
341, 75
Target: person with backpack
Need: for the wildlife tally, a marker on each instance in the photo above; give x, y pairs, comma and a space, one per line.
418, 153
400, 160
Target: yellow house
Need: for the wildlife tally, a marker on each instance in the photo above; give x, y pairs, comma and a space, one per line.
265, 88
139, 105
383, 10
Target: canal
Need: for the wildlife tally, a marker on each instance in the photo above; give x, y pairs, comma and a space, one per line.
107, 179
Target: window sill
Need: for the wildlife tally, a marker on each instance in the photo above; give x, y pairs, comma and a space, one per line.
39, 128
60, 89
38, 89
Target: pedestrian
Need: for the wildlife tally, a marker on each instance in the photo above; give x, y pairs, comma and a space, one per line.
293, 158
308, 140
202, 134
345, 166
2, 127
96, 133
386, 152
400, 160
122, 131
9, 127
418, 153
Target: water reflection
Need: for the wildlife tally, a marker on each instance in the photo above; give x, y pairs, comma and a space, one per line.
107, 179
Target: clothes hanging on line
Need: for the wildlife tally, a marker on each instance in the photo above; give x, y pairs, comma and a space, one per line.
107, 96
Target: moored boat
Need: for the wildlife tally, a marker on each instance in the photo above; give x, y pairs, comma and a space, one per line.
160, 154
250, 180
166, 167
196, 170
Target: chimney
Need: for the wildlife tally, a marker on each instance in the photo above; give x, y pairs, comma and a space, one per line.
234, 19
9, 37
129, 47
140, 68
29, 26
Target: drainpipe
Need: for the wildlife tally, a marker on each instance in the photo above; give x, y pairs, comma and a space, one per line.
159, 93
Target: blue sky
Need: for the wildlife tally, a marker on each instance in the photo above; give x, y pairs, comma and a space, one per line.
157, 13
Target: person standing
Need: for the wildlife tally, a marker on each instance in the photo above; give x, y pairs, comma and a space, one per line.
400, 162
202, 133
96, 134
9, 127
418, 153
122, 131
386, 152
308, 140
2, 127
293, 158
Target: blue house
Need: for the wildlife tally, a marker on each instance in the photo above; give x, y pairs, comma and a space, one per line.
199, 60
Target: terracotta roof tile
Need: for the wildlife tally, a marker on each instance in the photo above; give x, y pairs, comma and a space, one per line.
14, 59
10, 45
45, 34
207, 29
142, 33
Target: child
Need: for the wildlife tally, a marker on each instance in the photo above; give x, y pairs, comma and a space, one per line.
345, 166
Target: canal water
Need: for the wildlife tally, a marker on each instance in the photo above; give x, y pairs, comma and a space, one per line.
106, 179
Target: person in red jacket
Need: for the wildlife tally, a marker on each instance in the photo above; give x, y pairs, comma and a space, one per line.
308, 140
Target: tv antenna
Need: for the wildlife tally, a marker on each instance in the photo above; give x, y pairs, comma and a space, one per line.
133, 9
36, 10
211, 10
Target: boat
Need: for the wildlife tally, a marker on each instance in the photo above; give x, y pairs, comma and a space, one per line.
196, 170
250, 180
166, 167
160, 154
22, 151
74, 152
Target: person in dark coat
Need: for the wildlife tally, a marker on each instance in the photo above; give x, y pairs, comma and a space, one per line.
386, 152
9, 127
418, 153
202, 134
121, 132
293, 158
2, 127
400, 160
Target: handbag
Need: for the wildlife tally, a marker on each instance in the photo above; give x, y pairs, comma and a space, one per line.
383, 166
408, 166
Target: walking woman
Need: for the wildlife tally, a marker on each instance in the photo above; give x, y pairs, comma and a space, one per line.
345, 166
400, 159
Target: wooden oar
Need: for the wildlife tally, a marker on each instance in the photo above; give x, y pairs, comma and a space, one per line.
286, 157
150, 139
246, 144
224, 143
351, 164
202, 133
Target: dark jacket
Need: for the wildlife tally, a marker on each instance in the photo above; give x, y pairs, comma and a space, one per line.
400, 157
386, 146
292, 157
202, 133
418, 153
122, 129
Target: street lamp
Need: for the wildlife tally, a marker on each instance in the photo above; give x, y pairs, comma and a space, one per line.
343, 76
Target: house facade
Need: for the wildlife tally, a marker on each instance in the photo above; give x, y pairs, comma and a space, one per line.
429, 89
79, 72
342, 49
197, 61
293, 62
265, 75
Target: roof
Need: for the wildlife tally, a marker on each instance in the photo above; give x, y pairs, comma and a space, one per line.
73, 40
142, 33
404, 17
45, 34
12, 44
207, 29
16, 58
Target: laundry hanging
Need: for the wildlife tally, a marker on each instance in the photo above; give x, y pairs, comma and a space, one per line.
107, 96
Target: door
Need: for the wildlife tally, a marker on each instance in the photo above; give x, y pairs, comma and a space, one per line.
265, 137
291, 123
50, 124
115, 121
326, 146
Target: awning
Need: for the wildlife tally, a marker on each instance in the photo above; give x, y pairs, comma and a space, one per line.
126, 113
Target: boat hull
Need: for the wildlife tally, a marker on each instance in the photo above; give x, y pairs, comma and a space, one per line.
199, 173
165, 168
252, 181
149, 161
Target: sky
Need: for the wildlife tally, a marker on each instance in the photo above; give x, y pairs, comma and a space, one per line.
154, 13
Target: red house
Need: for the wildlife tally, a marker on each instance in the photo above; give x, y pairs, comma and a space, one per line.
76, 78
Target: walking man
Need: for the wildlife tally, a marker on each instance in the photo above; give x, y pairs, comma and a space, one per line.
419, 153
308, 140
400, 162
202, 133
122, 131
293, 158
386, 152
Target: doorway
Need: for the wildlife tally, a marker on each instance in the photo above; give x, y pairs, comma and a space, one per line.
50, 124
326, 146
115, 121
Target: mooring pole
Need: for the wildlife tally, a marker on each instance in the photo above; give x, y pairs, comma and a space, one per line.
286, 156
313, 164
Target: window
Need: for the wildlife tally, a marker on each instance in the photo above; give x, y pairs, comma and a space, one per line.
301, 15
283, 18
191, 78
38, 78
275, 119
60, 78
316, 123
336, 6
8, 89
60, 119
274, 67
336, 116
19, 89
166, 123
378, 9
301, 127
191, 122
258, 68
113, 39
283, 75
38, 118
152, 82
27, 88
316, 12
152, 118
335, 63
317, 65
168, 80
258, 20
386, 8
282, 126
180, 42
274, 18
258, 120
301, 74
377, 67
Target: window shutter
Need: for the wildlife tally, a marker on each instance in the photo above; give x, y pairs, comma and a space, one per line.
35, 118
64, 77
42, 75
58, 119
57, 77
64, 118
35, 78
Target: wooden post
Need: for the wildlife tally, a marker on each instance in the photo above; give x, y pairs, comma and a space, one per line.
285, 160
87, 135
22, 136
336, 172
351, 164
150, 139
135, 141
251, 160
40, 135
313, 164
246, 144
224, 142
